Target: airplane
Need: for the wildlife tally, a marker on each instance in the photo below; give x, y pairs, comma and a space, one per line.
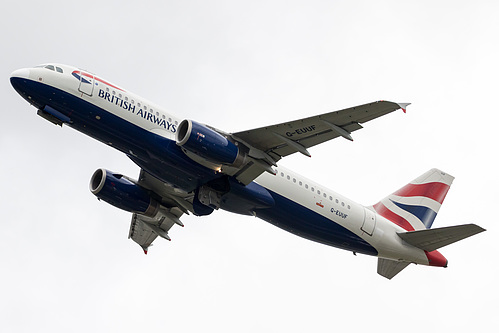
187, 167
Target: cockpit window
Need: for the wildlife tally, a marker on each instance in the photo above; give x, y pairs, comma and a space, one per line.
52, 68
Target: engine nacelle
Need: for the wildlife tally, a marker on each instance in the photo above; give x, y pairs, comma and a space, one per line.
122, 193
208, 144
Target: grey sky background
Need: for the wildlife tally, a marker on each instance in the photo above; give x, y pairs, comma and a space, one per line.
67, 264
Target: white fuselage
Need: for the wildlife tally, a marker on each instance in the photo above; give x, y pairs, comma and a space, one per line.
329, 207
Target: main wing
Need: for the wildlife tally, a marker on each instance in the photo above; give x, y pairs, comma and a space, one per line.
270, 143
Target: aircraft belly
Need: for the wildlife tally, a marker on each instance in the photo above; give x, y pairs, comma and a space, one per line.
299, 220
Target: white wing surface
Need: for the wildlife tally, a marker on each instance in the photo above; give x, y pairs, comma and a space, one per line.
270, 143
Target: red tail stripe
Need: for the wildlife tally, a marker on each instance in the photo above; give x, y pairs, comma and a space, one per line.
435, 258
435, 191
388, 214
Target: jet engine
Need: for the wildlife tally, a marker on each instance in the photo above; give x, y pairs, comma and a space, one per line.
122, 193
208, 144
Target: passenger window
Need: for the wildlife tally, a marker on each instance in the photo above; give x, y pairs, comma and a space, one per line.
288, 177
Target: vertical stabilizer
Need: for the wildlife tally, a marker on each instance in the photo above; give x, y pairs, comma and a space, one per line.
415, 206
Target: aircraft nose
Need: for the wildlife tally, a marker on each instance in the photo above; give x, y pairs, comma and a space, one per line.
22, 73
19, 80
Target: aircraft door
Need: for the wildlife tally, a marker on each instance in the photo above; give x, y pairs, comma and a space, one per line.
86, 83
369, 222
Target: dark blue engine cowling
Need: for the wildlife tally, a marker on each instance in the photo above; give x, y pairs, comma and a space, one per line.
206, 143
122, 193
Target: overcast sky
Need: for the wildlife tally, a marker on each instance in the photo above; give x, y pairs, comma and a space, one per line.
67, 265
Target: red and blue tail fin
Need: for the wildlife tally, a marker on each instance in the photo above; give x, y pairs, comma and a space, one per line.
415, 206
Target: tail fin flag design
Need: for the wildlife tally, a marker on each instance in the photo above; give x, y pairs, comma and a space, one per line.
415, 206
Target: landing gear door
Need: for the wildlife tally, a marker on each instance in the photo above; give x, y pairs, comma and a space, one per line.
86, 83
369, 222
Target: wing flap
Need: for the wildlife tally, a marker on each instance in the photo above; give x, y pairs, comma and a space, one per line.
144, 230
173, 203
252, 171
140, 233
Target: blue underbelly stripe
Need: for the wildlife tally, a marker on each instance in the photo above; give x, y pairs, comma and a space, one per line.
299, 220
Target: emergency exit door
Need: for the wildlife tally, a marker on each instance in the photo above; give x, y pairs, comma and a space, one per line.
369, 222
86, 83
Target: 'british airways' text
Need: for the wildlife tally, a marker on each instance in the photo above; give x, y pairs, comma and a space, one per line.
126, 105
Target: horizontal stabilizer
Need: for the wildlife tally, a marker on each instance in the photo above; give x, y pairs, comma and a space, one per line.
390, 268
433, 239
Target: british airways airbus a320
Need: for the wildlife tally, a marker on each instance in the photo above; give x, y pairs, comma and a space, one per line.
189, 167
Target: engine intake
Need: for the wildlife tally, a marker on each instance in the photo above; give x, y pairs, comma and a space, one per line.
120, 192
208, 144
